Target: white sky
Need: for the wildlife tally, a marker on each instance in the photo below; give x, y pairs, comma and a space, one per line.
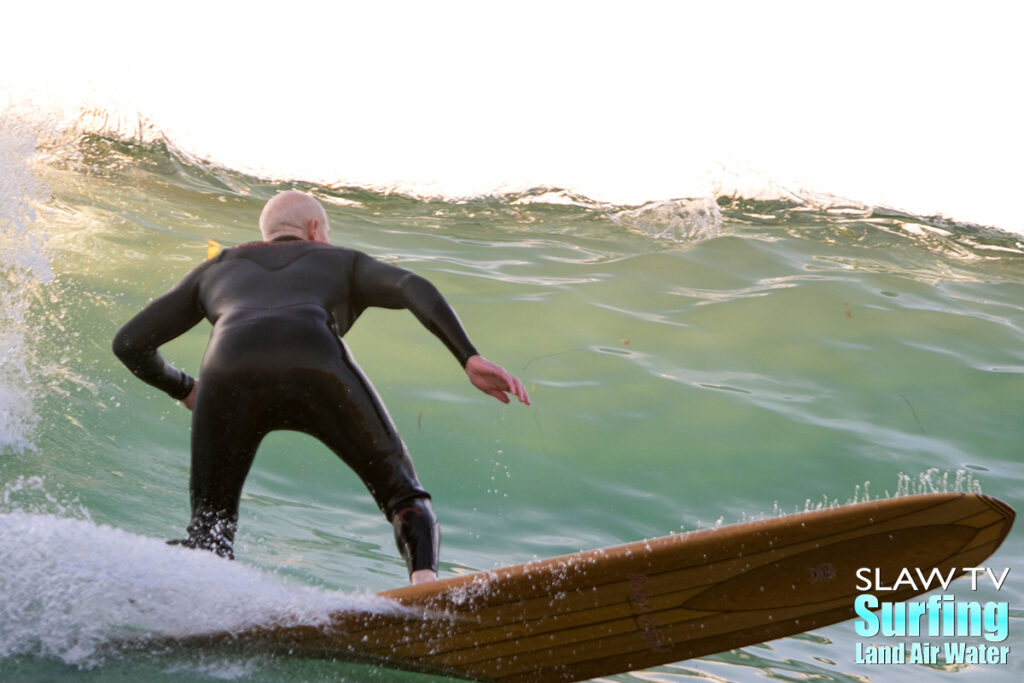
914, 105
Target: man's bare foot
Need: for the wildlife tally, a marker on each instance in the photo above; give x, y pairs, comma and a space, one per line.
422, 576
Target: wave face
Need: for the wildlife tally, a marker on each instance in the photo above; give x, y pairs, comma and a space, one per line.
691, 361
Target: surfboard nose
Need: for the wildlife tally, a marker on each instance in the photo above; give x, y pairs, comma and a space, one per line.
1002, 508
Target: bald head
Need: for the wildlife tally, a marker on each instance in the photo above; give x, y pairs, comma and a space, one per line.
294, 213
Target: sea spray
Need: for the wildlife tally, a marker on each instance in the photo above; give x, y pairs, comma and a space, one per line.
30, 494
23, 268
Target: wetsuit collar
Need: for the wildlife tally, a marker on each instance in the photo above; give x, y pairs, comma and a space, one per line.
287, 238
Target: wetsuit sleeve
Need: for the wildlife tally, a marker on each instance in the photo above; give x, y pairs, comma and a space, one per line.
379, 284
162, 320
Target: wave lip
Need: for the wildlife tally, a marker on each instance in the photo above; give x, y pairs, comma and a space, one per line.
97, 142
705, 177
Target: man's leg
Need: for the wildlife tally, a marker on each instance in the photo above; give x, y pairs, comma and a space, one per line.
393, 483
226, 432
418, 538
346, 414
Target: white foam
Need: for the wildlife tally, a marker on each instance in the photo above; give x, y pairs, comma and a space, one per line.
68, 586
680, 220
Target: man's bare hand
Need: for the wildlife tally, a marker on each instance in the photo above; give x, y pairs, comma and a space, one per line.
494, 380
190, 400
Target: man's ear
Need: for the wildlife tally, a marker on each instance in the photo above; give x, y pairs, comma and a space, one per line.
311, 230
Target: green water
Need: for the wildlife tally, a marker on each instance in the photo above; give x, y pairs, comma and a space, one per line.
748, 359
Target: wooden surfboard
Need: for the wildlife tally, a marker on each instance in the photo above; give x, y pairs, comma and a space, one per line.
634, 606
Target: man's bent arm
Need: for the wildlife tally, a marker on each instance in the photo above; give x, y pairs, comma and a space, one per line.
162, 320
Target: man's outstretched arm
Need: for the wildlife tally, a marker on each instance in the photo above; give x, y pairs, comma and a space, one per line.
380, 284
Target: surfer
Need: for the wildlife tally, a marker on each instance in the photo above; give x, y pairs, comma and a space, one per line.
275, 360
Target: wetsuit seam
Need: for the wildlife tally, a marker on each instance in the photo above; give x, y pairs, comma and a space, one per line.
281, 267
306, 304
357, 373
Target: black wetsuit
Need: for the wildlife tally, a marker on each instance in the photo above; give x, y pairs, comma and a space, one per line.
276, 361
